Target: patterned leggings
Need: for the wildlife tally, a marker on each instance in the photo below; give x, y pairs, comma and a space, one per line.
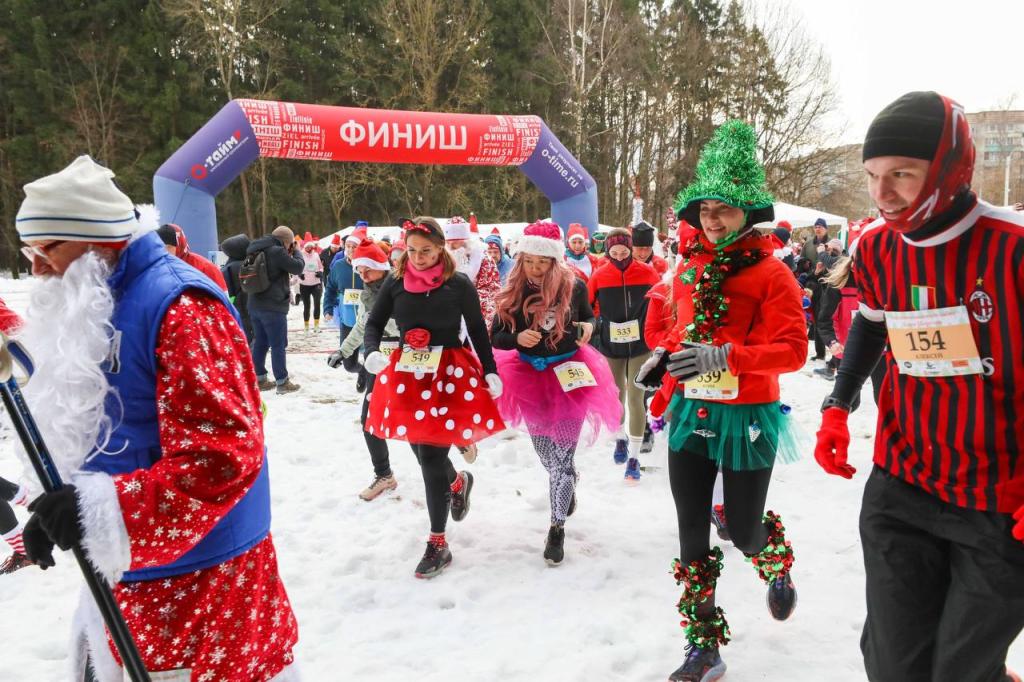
558, 457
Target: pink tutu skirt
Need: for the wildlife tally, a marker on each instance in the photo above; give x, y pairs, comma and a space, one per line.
534, 401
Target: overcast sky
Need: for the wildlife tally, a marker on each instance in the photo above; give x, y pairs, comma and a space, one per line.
970, 50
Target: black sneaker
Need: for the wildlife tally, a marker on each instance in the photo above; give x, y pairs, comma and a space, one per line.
435, 559
701, 665
15, 562
826, 373
554, 550
719, 522
781, 598
648, 443
460, 500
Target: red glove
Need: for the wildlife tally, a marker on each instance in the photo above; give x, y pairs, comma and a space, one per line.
833, 442
1018, 530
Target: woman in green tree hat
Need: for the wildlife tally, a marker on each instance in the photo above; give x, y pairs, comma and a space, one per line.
739, 325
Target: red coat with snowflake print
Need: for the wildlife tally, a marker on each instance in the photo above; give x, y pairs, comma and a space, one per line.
232, 621
488, 284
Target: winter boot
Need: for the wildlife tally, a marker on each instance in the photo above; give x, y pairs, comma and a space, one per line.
435, 559
15, 562
469, 452
554, 550
266, 384
361, 381
648, 443
632, 470
704, 623
287, 387
827, 373
380, 485
461, 489
774, 563
621, 450
701, 665
305, 325
718, 521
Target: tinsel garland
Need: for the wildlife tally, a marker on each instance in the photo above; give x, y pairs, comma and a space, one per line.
710, 305
699, 579
776, 559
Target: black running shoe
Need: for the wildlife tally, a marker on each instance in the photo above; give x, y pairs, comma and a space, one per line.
460, 500
434, 561
781, 598
554, 550
719, 522
648, 443
701, 665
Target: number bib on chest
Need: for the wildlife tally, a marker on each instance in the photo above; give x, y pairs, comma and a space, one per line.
624, 332
424, 361
933, 343
717, 385
573, 375
351, 297
388, 347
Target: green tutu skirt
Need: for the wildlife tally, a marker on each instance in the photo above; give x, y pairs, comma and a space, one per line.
736, 437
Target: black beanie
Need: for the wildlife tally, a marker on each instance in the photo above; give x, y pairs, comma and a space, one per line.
643, 234
168, 235
911, 126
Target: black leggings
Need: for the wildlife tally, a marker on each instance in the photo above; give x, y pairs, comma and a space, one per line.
438, 475
378, 447
8, 521
692, 477
305, 292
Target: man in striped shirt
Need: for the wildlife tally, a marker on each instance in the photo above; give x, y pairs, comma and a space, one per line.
941, 276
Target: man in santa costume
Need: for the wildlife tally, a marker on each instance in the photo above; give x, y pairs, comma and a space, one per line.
471, 259
145, 392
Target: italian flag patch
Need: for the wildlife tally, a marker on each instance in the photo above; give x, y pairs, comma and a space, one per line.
922, 297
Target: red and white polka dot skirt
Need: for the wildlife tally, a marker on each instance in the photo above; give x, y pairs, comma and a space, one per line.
451, 407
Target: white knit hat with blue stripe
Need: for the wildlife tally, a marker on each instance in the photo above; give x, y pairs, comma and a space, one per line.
80, 203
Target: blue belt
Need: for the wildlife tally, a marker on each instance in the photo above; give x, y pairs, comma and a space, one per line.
542, 363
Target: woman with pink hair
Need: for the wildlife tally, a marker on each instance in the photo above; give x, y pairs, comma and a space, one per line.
557, 386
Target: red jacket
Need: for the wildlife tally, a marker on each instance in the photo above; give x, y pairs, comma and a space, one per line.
620, 296
9, 320
764, 323
659, 264
182, 251
660, 315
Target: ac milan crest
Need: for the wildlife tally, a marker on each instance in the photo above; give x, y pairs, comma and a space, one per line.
981, 306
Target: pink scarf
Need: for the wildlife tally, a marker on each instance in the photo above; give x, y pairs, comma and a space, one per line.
422, 281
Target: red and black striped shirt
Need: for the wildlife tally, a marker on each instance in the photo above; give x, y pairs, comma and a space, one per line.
957, 437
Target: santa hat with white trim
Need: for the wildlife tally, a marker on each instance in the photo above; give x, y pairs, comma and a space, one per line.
577, 231
542, 238
457, 228
369, 255
80, 203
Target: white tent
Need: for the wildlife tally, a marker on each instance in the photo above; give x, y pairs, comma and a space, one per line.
800, 216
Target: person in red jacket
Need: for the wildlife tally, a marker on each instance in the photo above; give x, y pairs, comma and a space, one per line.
576, 254
942, 280
643, 247
739, 325
174, 239
617, 293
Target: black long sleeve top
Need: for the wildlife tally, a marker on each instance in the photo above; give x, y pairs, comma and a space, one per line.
579, 310
439, 311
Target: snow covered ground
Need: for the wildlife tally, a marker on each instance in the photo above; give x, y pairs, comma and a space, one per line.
499, 612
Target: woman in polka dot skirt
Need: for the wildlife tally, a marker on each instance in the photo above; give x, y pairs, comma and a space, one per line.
435, 392
556, 385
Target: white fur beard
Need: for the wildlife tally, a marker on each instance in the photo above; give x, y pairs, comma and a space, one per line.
469, 258
68, 332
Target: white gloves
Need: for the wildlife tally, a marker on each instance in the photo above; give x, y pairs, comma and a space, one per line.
494, 386
375, 362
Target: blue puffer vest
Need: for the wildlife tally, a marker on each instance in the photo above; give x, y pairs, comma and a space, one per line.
145, 283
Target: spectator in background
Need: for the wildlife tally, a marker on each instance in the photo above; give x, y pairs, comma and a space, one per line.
234, 248
268, 309
176, 244
814, 246
328, 254
311, 284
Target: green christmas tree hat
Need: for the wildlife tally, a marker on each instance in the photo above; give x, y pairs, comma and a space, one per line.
728, 171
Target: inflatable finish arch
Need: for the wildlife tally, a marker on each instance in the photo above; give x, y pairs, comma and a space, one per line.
186, 184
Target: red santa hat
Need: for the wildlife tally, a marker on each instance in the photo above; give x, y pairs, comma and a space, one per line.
494, 230
308, 237
369, 255
357, 236
336, 240
542, 239
577, 230
472, 224
457, 228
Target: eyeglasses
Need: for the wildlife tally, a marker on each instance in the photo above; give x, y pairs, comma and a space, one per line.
41, 251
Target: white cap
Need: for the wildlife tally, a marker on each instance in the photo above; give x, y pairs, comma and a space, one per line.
80, 203
457, 230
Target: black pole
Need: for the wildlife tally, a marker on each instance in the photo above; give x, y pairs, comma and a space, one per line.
42, 462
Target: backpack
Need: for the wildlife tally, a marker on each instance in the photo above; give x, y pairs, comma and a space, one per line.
253, 275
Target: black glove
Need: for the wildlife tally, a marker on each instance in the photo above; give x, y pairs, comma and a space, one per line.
652, 371
54, 521
696, 359
335, 359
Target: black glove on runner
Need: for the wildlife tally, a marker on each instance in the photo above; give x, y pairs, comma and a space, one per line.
54, 521
698, 358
